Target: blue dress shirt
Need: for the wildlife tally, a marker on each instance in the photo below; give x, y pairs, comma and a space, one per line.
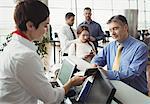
133, 63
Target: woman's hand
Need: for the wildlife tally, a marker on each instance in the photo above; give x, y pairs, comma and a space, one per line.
88, 57
74, 81
77, 80
92, 39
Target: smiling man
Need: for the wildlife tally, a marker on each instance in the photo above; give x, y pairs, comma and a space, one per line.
126, 57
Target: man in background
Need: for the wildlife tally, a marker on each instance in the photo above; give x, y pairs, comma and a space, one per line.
67, 34
96, 32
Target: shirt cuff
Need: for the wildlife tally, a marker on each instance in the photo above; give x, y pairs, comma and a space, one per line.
112, 75
93, 62
61, 94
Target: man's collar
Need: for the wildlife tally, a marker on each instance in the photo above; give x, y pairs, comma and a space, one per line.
88, 22
67, 25
125, 42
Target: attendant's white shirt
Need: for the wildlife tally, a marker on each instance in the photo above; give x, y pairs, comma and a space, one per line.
22, 79
66, 37
82, 49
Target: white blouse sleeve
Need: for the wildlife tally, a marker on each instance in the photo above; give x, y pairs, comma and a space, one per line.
72, 50
93, 46
30, 74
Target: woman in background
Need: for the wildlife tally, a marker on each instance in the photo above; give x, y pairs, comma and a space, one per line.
82, 47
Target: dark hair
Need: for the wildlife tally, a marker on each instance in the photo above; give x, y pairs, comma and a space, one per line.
87, 8
68, 15
81, 28
118, 19
30, 10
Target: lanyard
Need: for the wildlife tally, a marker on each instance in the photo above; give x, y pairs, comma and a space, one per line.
18, 32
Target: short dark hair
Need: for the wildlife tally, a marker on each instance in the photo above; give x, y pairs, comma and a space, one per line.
68, 15
87, 8
81, 28
118, 19
30, 10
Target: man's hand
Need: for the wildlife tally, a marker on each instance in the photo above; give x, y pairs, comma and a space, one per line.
94, 65
100, 68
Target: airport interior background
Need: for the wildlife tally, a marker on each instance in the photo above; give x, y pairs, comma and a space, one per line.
102, 10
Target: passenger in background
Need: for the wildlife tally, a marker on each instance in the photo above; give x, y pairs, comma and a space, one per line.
67, 34
126, 57
82, 47
96, 32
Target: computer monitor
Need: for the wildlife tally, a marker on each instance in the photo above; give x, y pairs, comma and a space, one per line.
97, 90
66, 71
84, 91
102, 91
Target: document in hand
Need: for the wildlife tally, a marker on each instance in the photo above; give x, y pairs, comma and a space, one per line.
88, 72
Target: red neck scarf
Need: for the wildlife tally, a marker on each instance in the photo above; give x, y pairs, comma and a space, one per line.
18, 32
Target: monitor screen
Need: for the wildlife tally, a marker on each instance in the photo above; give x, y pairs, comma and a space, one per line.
66, 71
86, 87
